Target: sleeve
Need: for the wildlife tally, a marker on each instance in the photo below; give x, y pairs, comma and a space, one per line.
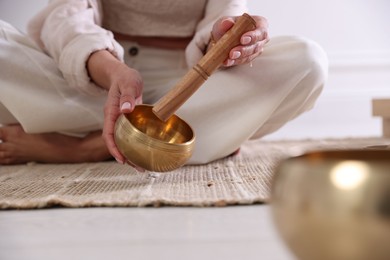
70, 31
213, 11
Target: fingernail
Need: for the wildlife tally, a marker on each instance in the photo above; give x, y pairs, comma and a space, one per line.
139, 169
230, 63
119, 161
126, 106
236, 55
230, 20
246, 39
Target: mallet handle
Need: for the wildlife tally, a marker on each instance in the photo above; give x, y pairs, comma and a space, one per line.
195, 77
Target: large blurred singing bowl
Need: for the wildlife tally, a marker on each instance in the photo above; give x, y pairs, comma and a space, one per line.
334, 205
152, 144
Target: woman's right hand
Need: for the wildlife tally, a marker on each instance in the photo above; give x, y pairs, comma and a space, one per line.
124, 94
124, 86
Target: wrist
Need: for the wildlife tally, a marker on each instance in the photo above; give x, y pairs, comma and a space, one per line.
102, 66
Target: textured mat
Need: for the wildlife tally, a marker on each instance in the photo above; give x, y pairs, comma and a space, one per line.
241, 179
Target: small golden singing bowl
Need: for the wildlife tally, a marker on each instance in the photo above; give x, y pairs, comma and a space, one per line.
151, 143
334, 205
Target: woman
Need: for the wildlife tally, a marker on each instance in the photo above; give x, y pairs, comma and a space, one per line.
83, 55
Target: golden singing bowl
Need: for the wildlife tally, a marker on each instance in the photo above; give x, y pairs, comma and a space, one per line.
151, 143
334, 205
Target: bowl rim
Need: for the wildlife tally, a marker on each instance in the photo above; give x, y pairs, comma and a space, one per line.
141, 136
356, 154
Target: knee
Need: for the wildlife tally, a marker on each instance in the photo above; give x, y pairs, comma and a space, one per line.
4, 26
311, 59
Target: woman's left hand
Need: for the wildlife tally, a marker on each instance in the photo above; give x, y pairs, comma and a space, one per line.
252, 42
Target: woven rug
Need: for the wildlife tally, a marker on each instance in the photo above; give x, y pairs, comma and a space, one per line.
241, 179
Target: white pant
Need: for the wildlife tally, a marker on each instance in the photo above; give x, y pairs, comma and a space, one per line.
231, 107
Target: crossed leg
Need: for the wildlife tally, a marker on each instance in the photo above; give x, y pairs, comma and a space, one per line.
17, 147
33, 93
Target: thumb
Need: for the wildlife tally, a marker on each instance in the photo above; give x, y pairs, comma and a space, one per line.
127, 102
129, 99
126, 107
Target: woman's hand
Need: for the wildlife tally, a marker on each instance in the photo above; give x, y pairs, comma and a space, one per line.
124, 94
252, 42
124, 86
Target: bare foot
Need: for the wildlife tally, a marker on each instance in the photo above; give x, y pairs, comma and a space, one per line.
17, 147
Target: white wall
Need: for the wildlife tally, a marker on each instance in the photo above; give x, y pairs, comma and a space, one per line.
352, 25
354, 33
356, 36
18, 12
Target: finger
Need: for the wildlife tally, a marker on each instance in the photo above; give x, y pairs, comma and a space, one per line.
129, 95
249, 57
137, 168
108, 133
253, 37
241, 52
127, 100
259, 34
238, 56
109, 138
138, 101
229, 63
111, 113
221, 26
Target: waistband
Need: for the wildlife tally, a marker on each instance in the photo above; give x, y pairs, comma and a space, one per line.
171, 43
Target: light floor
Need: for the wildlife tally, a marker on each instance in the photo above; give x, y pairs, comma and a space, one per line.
239, 232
